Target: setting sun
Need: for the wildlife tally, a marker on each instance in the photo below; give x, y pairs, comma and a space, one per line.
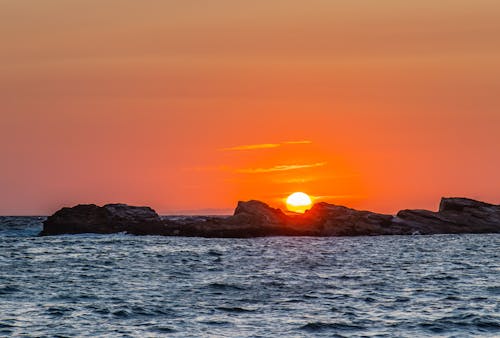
298, 202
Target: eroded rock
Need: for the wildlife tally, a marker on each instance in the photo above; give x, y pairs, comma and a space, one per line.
335, 220
111, 218
455, 215
257, 219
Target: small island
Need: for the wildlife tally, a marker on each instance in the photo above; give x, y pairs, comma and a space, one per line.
257, 219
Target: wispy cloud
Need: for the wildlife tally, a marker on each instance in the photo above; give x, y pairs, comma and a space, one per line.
253, 147
284, 167
264, 145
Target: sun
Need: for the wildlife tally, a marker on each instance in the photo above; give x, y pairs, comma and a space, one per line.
298, 202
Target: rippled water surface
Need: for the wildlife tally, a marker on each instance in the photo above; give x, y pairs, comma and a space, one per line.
120, 285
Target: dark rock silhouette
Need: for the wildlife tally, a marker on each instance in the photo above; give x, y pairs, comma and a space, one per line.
250, 219
257, 219
111, 218
455, 215
335, 220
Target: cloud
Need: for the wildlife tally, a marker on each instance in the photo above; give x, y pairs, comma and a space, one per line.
253, 147
284, 167
264, 145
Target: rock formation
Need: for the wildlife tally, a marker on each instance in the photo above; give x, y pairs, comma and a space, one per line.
250, 219
335, 220
455, 215
257, 219
111, 218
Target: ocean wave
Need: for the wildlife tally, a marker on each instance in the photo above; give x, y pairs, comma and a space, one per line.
121, 285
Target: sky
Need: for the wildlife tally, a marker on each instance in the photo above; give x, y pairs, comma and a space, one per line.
189, 106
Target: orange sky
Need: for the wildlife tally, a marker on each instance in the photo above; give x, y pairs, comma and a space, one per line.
395, 103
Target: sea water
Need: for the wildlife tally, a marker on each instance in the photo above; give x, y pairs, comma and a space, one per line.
127, 286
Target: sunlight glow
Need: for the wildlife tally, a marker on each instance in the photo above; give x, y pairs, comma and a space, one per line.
298, 202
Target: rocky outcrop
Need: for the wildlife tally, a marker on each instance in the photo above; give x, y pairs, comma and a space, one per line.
335, 220
250, 219
455, 215
257, 211
111, 218
257, 219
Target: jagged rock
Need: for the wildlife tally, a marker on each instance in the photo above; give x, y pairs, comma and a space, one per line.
256, 219
460, 204
111, 218
250, 219
258, 213
334, 220
455, 215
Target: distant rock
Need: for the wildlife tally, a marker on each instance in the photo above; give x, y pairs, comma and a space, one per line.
464, 204
250, 219
111, 218
257, 219
258, 214
335, 220
455, 215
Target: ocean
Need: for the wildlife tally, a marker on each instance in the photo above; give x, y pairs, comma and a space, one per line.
127, 286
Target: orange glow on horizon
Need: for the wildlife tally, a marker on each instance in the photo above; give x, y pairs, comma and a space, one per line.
298, 202
376, 105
